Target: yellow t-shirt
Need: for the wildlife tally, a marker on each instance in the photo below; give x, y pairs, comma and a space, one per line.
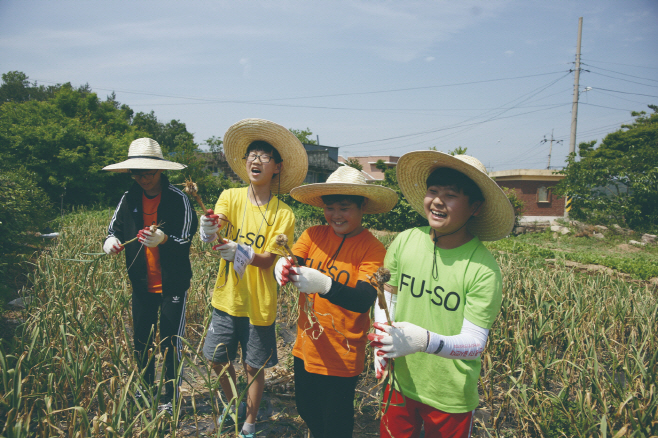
255, 294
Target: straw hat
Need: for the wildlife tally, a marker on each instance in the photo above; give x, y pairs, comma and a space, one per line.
496, 218
144, 153
347, 180
295, 161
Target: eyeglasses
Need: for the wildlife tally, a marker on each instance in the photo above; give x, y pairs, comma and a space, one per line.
262, 158
143, 176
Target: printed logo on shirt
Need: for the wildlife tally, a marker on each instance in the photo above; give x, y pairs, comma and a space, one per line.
250, 239
175, 300
342, 277
438, 296
135, 210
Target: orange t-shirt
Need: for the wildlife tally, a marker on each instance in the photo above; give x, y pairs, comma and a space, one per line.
153, 271
339, 350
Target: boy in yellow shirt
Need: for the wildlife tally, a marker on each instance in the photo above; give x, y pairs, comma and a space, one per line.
273, 161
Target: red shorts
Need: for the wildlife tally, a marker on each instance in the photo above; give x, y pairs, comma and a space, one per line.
406, 421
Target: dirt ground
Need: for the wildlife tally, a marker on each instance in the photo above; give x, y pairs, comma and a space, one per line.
278, 415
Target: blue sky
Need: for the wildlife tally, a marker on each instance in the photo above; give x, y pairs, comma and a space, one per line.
371, 77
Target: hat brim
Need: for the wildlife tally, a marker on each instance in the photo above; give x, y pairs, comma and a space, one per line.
144, 163
380, 199
240, 135
496, 216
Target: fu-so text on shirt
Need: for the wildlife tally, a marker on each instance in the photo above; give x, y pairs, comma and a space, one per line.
438, 296
342, 277
250, 239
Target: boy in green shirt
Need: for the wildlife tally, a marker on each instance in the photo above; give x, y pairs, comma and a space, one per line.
446, 290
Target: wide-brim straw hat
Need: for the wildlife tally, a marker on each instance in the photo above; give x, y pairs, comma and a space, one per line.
347, 180
295, 161
144, 153
496, 217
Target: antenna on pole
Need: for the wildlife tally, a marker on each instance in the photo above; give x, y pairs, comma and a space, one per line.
550, 149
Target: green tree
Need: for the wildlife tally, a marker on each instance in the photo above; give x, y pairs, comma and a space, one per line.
617, 182
401, 217
353, 162
23, 206
381, 165
304, 135
458, 151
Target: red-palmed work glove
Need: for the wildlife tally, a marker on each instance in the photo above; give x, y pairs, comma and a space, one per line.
282, 270
310, 281
112, 245
149, 238
400, 339
226, 249
210, 225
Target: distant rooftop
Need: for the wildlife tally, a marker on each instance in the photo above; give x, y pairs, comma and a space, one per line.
533, 174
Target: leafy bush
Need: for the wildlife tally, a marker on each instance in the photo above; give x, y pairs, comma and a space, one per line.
23, 206
401, 217
618, 181
517, 204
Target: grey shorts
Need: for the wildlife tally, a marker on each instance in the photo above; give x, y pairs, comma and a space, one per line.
226, 332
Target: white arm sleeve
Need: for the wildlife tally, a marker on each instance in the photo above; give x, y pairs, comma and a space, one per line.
468, 344
391, 301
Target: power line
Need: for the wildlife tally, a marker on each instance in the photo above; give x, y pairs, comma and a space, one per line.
620, 73
627, 65
626, 92
625, 80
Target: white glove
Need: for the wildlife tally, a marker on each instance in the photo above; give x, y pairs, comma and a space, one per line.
310, 281
209, 227
112, 245
380, 316
282, 270
401, 339
226, 250
150, 238
380, 365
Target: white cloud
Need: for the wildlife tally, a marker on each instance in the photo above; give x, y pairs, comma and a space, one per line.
509, 53
429, 59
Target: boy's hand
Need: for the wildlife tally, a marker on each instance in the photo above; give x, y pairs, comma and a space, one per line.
226, 250
282, 271
210, 223
112, 245
400, 339
150, 238
310, 281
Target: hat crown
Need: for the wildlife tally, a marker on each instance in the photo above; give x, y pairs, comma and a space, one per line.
145, 147
472, 161
347, 175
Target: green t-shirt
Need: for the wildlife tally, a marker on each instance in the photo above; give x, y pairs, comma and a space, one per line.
469, 285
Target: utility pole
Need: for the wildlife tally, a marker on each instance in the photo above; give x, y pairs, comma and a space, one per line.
550, 150
574, 107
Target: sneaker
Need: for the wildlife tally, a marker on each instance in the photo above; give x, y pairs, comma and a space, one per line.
230, 415
167, 408
141, 398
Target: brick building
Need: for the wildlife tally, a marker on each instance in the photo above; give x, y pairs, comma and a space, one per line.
370, 171
535, 188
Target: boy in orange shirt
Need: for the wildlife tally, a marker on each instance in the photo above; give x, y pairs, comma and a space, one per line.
336, 262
